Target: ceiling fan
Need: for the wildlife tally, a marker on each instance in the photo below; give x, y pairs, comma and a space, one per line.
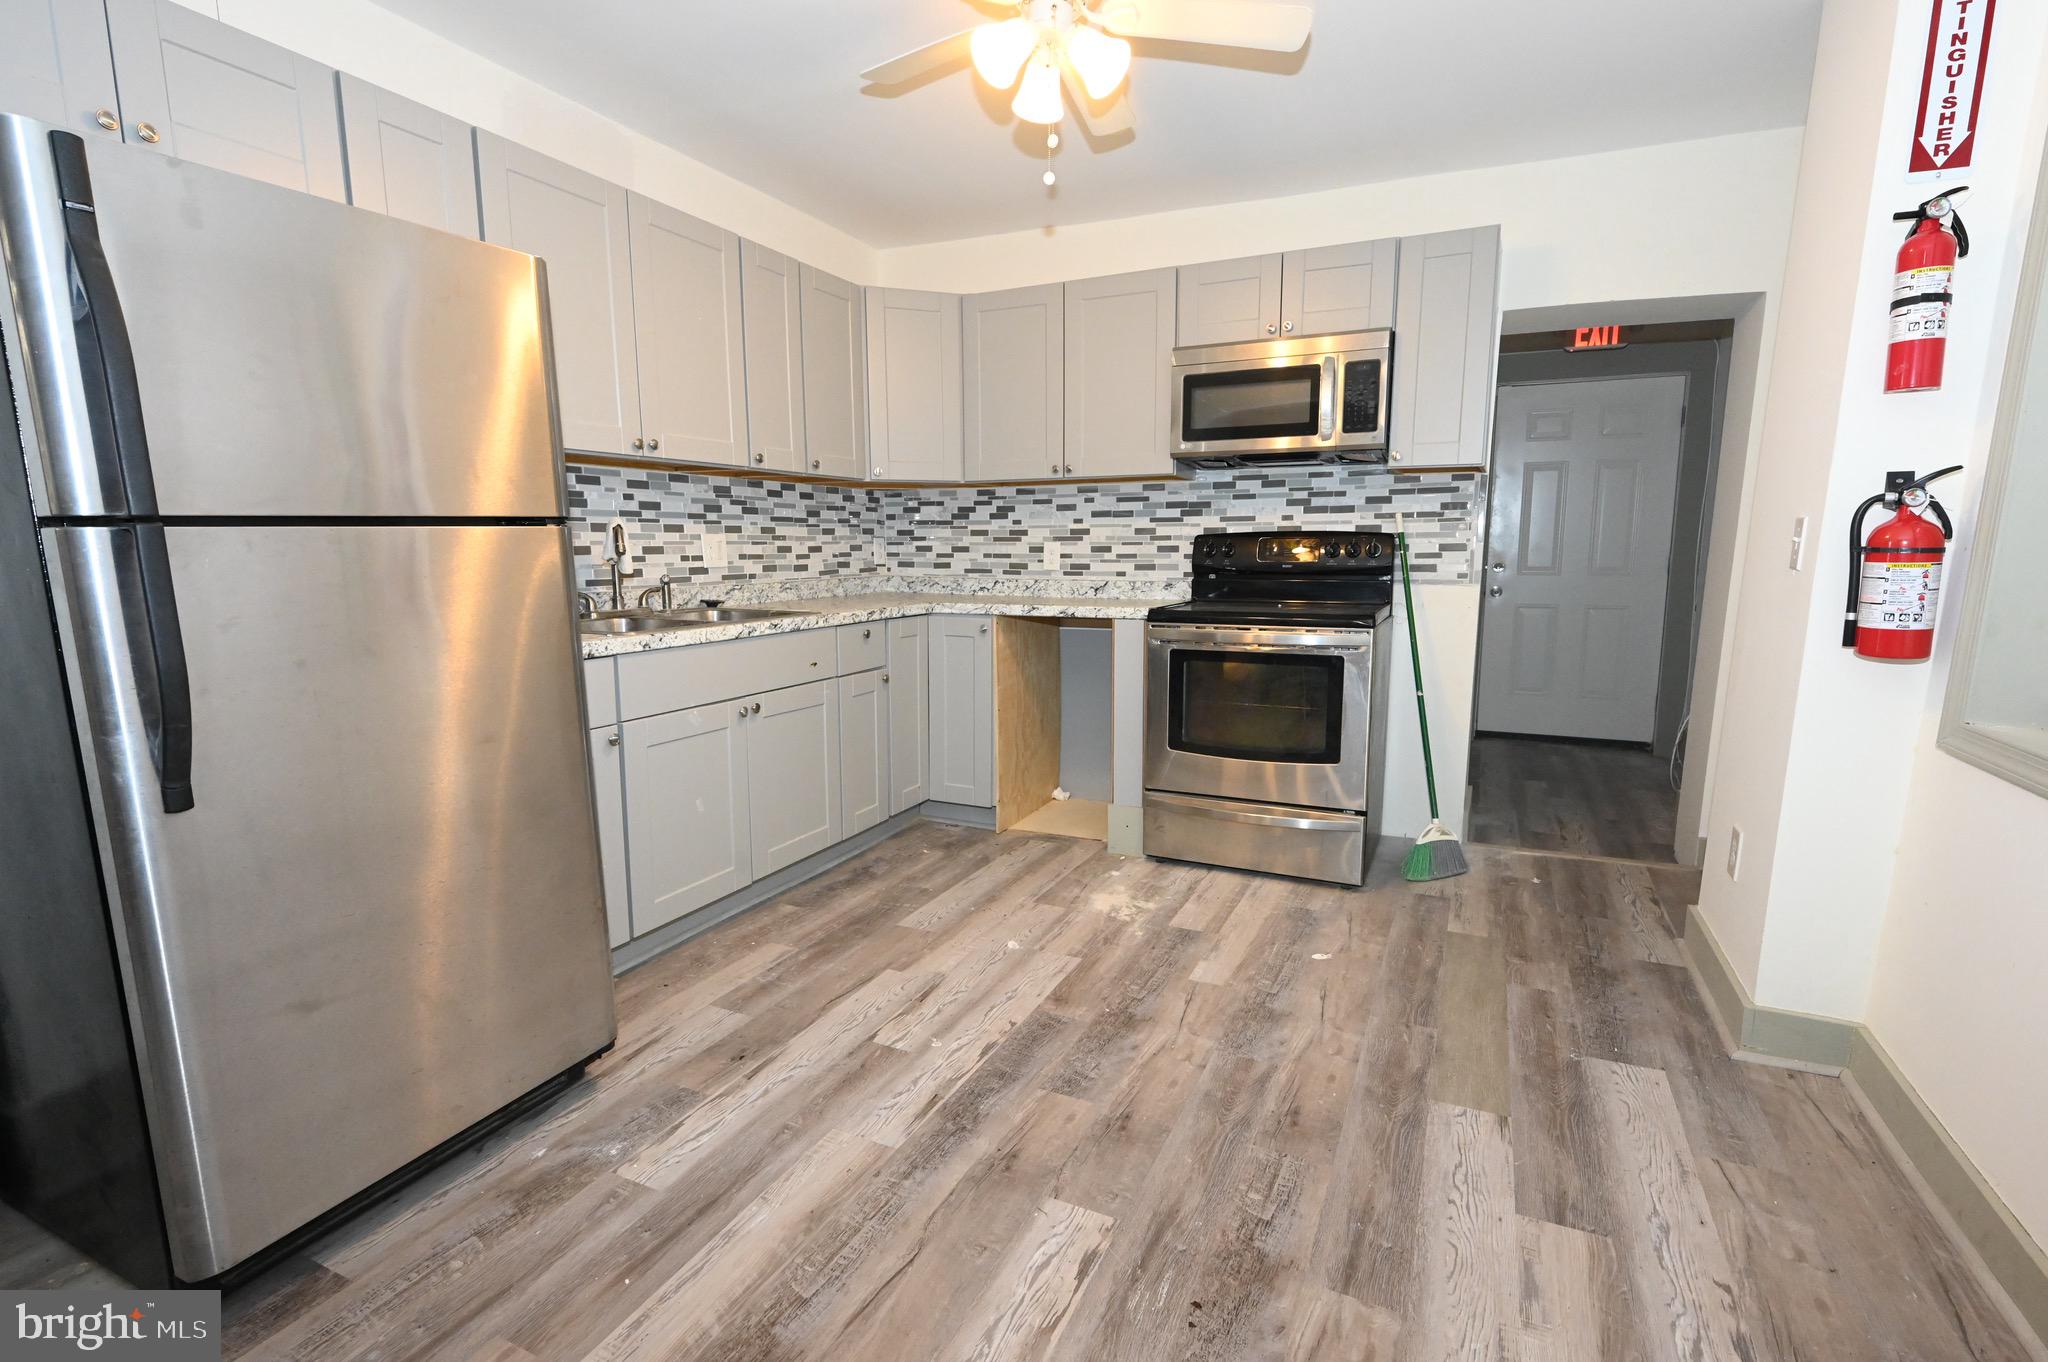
1082, 46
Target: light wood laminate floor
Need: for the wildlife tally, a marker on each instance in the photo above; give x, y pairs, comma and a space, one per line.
1575, 798
975, 1097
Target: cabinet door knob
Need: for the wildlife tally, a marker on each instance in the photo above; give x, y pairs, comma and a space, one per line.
1269, 328
984, 628
612, 738
1394, 455
105, 118
743, 711
755, 708
885, 678
867, 633
816, 464
878, 470
639, 443
148, 133
1055, 468
1068, 469
1287, 326
654, 444
760, 457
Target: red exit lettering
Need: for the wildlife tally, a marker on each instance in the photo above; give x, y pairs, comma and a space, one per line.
1596, 338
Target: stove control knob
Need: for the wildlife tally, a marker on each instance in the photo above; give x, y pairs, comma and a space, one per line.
1351, 548
1329, 548
1228, 548
1374, 549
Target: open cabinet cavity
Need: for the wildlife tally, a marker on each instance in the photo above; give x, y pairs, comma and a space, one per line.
1053, 726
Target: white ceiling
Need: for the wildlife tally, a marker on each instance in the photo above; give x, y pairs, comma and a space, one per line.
766, 91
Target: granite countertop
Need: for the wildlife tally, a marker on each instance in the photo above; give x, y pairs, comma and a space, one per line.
984, 596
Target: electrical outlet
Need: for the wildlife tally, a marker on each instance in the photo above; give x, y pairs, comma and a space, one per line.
1734, 852
1799, 543
713, 545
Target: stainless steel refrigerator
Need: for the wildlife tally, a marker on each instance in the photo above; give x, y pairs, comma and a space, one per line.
299, 877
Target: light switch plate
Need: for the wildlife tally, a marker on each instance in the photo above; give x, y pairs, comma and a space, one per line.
1798, 557
1734, 852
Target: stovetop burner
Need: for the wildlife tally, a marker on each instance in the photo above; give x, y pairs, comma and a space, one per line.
1326, 579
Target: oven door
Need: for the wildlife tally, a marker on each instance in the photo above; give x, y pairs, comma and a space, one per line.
1274, 715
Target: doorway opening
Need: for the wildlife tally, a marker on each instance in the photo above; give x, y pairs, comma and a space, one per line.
1593, 584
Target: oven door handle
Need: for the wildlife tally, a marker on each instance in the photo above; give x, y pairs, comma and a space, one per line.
1195, 641
1206, 808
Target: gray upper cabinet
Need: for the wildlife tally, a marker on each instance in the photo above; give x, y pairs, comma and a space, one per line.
1338, 288
792, 747
914, 406
56, 64
686, 318
1119, 382
577, 224
608, 772
963, 710
1012, 345
863, 751
198, 89
835, 375
1225, 302
769, 289
909, 713
407, 160
686, 811
1447, 335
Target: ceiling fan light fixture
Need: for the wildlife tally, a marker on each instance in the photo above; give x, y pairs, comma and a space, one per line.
1101, 61
1038, 97
1000, 50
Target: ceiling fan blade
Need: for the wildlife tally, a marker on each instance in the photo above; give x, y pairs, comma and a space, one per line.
911, 65
1110, 118
1219, 23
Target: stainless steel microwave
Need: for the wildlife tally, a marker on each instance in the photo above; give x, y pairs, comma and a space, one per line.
1306, 399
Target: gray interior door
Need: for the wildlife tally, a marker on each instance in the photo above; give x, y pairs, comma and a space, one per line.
382, 918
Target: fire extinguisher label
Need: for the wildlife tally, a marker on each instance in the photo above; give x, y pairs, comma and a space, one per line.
1920, 321
1921, 279
1898, 595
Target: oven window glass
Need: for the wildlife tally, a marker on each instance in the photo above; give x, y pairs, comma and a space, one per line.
1257, 706
1251, 404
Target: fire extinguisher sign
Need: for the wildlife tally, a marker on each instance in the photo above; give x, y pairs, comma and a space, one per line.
1951, 86
1898, 595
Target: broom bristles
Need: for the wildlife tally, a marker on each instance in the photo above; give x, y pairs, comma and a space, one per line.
1436, 855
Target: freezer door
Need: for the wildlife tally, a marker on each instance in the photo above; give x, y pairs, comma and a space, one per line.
382, 916
291, 356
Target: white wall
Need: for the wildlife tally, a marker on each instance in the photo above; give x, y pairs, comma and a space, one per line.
1704, 217
386, 50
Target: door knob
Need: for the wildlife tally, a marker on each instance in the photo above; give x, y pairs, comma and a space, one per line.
1498, 567
105, 118
148, 133
1495, 589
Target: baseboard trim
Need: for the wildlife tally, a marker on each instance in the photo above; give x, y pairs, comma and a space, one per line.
1966, 1205
966, 815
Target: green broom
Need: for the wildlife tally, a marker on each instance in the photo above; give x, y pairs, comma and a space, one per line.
1436, 854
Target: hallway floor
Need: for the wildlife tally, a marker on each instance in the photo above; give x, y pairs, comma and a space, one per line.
1580, 798
982, 1096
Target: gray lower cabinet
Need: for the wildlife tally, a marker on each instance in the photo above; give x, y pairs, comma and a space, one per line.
835, 344
687, 823
1225, 302
791, 741
863, 751
195, 88
914, 406
1339, 288
963, 710
688, 330
1119, 380
407, 160
769, 293
608, 777
57, 66
904, 678
1447, 339
577, 224
1012, 368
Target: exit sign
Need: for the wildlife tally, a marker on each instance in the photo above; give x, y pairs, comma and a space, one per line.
1596, 338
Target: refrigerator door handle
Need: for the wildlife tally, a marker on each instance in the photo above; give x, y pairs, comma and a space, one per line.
106, 359
163, 678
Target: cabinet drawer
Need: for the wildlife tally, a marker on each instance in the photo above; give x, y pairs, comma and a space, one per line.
682, 678
600, 692
863, 647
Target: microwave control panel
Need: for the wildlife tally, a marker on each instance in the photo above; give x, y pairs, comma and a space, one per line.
1361, 396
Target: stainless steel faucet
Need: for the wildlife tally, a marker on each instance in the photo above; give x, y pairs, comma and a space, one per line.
666, 589
619, 571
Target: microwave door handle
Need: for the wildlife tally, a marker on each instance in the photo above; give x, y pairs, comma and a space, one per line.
1328, 406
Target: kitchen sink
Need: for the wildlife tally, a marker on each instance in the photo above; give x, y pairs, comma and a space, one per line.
643, 621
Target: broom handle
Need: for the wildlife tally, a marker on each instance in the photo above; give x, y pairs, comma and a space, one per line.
1415, 664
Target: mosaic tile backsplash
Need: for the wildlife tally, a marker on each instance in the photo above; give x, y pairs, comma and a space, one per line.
716, 530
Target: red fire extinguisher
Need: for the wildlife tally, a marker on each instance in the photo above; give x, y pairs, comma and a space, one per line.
1895, 576
1921, 292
